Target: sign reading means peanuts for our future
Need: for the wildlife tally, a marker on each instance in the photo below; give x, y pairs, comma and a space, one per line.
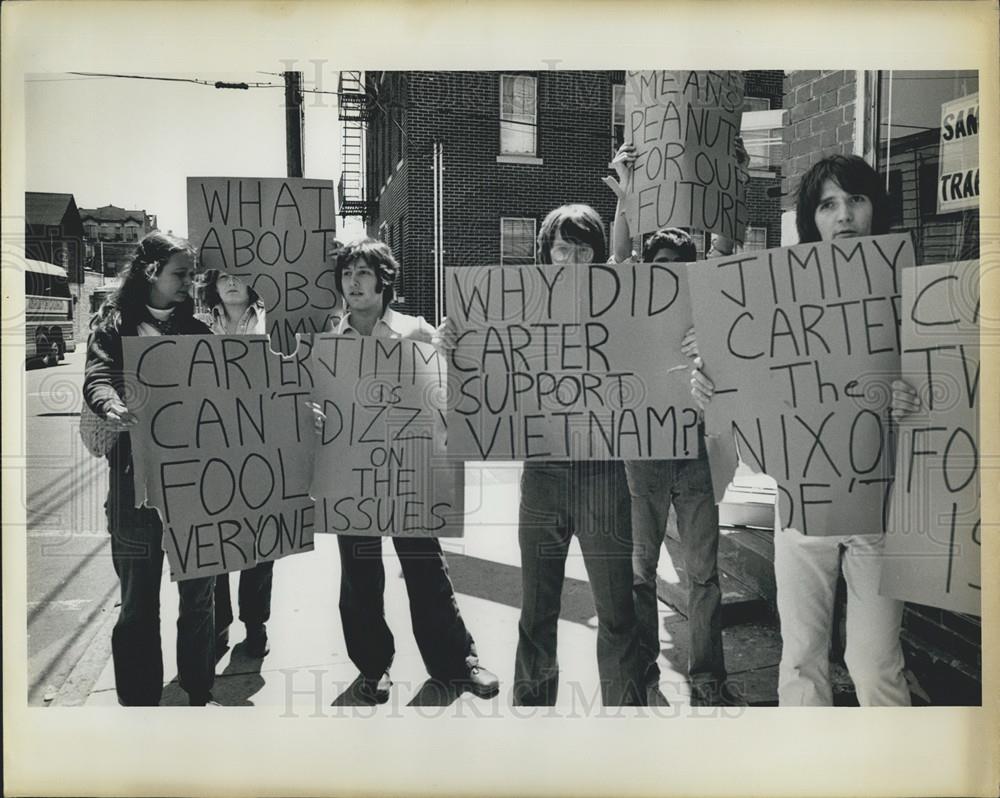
381, 465
223, 449
932, 550
276, 234
802, 344
684, 127
570, 362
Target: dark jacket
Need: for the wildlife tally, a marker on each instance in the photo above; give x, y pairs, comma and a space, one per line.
104, 374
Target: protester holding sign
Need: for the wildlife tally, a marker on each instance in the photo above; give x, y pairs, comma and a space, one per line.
153, 299
236, 309
840, 197
655, 485
590, 499
364, 275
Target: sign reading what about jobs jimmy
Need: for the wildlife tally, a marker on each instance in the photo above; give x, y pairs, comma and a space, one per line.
223, 449
570, 362
684, 127
802, 344
276, 234
932, 550
381, 466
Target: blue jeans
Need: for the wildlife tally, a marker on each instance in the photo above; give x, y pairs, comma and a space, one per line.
654, 485
254, 597
590, 500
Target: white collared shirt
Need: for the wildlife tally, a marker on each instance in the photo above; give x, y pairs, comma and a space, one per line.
392, 325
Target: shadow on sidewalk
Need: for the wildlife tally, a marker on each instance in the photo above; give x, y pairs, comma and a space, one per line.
501, 583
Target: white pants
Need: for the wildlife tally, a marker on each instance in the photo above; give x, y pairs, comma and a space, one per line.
806, 570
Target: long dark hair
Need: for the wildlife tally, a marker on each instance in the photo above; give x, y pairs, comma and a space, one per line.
854, 176
126, 307
576, 223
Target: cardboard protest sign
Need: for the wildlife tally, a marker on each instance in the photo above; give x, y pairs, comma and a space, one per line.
684, 126
932, 551
223, 449
802, 344
275, 233
570, 362
381, 466
958, 174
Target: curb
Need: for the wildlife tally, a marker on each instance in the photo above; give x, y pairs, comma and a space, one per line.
75, 691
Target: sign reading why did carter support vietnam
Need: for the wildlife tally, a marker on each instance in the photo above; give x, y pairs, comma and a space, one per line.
802, 344
958, 175
684, 127
275, 233
381, 467
570, 362
223, 449
932, 551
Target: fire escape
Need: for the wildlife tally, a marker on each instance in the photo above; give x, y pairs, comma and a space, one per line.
353, 114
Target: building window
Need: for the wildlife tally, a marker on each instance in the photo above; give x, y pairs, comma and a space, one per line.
913, 117
762, 137
517, 241
755, 239
518, 115
131, 234
617, 116
92, 231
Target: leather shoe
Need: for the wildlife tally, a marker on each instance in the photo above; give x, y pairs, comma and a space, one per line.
256, 644
478, 681
374, 690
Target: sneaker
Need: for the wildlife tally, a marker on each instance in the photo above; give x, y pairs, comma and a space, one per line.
374, 690
478, 681
256, 644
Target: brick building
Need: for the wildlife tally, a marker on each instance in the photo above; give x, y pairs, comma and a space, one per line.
111, 234
533, 141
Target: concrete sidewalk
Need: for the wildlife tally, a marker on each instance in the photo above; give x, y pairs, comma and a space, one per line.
308, 670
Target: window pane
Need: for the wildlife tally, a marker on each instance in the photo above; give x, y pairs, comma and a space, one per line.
517, 241
909, 150
517, 115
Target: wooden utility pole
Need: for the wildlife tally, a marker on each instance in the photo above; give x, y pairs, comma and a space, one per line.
294, 123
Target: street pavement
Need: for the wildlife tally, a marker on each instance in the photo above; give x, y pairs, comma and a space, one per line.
73, 594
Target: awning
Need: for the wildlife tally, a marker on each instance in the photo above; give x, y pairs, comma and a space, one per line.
42, 267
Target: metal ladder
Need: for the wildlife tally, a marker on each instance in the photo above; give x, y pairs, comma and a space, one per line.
352, 109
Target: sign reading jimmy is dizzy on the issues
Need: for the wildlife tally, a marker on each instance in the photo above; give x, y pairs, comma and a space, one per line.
570, 362
958, 175
275, 233
802, 344
684, 127
381, 463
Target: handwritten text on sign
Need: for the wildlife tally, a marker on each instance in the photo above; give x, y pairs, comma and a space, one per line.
570, 362
223, 449
275, 233
803, 344
932, 551
684, 127
381, 467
